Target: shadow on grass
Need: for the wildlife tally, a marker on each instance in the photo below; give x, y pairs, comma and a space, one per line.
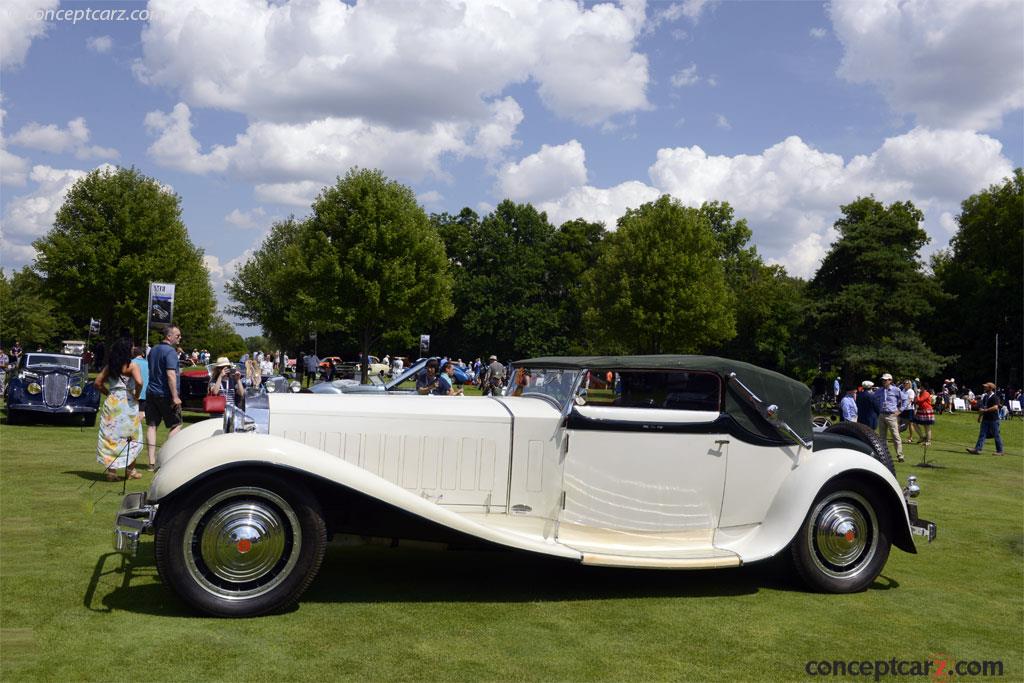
382, 575
114, 574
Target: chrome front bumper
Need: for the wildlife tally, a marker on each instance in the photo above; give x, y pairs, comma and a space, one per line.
133, 519
918, 526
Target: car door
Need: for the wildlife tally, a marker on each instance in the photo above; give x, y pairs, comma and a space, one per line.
644, 468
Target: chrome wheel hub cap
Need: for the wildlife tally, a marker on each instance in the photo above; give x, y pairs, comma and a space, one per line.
242, 543
844, 535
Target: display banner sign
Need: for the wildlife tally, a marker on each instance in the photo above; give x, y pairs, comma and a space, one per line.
424, 344
161, 304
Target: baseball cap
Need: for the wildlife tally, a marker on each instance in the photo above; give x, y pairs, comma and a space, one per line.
867, 384
887, 376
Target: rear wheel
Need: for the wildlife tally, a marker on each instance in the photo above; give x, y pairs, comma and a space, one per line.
241, 545
844, 542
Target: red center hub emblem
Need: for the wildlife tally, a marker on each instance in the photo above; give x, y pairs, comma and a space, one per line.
244, 546
850, 536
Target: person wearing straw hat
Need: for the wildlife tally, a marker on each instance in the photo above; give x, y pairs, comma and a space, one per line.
988, 416
226, 380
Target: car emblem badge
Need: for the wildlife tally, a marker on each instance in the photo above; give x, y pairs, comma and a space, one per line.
244, 546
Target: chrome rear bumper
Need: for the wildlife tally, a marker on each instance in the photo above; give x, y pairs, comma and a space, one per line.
133, 519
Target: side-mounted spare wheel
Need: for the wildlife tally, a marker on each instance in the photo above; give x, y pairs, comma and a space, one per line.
844, 541
869, 436
240, 544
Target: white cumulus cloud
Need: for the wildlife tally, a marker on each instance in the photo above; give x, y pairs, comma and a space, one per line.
791, 192
21, 22
290, 162
547, 174
397, 63
52, 138
684, 77
99, 44
246, 219
950, 64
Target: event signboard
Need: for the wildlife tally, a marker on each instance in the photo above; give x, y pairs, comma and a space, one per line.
161, 304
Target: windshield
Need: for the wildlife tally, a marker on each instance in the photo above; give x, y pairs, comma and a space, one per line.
553, 383
38, 360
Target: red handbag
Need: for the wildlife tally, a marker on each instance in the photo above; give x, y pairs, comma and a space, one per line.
214, 403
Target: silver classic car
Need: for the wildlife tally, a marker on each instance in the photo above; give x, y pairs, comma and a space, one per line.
662, 462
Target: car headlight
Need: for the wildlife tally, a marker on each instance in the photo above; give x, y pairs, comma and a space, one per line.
75, 391
34, 388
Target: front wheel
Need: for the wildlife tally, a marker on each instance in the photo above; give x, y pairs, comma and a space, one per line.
843, 543
241, 545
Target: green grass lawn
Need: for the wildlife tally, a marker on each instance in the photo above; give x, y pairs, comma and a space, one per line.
71, 610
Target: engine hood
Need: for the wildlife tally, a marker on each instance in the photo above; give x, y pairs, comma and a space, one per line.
354, 412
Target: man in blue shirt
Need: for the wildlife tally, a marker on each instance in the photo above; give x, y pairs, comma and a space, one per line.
988, 416
312, 364
848, 405
163, 399
892, 400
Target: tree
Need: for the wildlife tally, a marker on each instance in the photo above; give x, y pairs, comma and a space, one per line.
871, 291
265, 290
770, 305
221, 339
258, 343
27, 314
981, 271
370, 262
116, 232
658, 285
513, 273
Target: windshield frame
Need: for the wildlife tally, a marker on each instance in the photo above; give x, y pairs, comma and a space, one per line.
30, 364
558, 385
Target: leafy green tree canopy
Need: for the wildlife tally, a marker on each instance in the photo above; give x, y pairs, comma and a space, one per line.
27, 314
871, 290
982, 271
659, 285
264, 289
117, 231
366, 261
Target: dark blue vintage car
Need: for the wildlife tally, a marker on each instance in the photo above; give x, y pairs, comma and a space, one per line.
50, 384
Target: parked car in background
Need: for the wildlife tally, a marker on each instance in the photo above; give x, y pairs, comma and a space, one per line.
676, 462
195, 383
375, 367
72, 347
404, 383
49, 385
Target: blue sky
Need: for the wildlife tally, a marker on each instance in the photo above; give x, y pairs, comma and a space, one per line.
785, 109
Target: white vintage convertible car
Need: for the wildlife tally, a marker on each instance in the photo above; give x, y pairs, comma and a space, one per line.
664, 462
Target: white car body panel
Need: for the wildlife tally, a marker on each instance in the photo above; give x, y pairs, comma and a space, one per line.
792, 501
225, 449
456, 457
496, 468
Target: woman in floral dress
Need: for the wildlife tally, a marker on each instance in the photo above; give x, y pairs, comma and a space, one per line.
120, 437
